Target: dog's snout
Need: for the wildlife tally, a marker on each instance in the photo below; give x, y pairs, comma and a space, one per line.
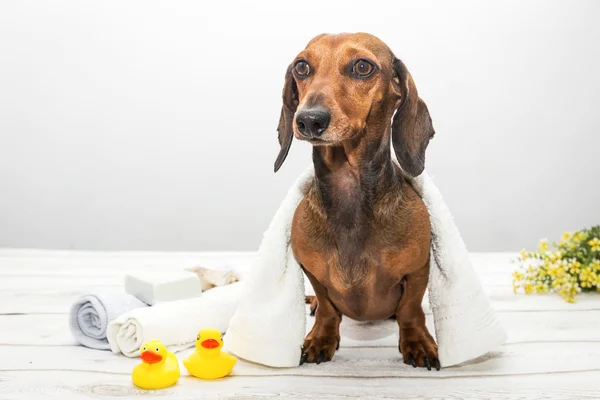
312, 122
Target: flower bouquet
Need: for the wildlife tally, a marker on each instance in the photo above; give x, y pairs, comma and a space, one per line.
568, 267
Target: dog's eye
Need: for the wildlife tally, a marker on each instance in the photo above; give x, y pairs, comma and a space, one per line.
302, 69
363, 68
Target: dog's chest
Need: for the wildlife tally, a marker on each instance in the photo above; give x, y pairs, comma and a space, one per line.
361, 264
358, 277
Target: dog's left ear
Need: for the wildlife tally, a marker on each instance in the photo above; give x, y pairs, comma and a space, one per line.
411, 127
285, 128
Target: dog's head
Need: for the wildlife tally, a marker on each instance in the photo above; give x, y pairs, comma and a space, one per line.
342, 87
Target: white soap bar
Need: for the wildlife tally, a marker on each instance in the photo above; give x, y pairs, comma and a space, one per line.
153, 288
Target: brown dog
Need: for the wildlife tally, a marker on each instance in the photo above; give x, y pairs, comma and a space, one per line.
361, 233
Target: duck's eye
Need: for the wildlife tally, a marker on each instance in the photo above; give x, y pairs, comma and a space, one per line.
302, 69
157, 349
144, 349
363, 68
198, 337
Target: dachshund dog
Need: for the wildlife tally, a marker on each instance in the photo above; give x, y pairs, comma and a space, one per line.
361, 234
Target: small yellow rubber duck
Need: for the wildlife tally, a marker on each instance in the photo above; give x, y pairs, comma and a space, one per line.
159, 368
208, 361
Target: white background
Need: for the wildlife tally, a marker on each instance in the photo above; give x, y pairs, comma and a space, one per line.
151, 125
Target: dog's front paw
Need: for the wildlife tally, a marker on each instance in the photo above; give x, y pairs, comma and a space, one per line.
419, 351
319, 349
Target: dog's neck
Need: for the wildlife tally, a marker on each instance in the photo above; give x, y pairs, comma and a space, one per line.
355, 170
352, 181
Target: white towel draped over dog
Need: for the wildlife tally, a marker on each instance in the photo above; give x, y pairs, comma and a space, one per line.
268, 327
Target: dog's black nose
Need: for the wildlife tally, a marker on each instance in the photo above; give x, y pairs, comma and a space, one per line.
312, 122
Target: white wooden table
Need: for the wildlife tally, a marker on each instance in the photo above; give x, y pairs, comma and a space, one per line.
553, 351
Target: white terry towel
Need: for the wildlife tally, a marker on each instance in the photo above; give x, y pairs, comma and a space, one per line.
269, 325
90, 315
174, 323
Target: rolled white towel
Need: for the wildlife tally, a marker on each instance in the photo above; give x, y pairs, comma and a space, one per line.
90, 315
175, 323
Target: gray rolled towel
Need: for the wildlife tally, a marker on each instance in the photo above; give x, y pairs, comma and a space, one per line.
91, 313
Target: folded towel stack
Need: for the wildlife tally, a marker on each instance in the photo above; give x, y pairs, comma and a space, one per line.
91, 314
175, 323
122, 322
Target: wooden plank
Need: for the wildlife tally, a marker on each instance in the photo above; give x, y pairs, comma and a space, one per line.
522, 327
69, 385
47, 254
78, 261
35, 330
52, 330
82, 262
55, 296
489, 259
49, 281
496, 284
349, 362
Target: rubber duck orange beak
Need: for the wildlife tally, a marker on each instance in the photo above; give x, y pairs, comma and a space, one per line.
150, 357
209, 344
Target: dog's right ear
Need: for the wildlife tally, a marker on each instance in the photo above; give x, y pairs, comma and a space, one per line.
285, 128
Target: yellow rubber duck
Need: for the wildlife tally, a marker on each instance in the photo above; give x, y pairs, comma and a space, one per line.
159, 368
208, 361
